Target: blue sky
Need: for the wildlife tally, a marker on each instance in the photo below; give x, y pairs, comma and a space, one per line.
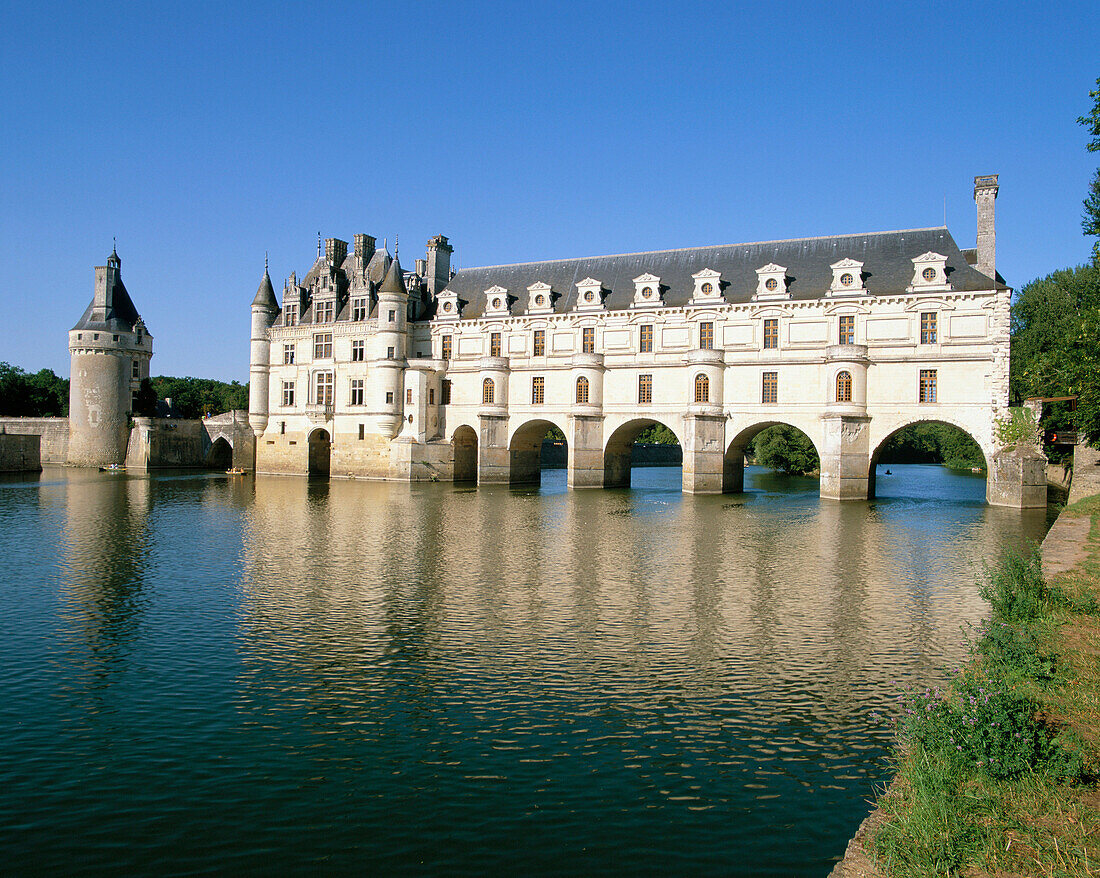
203, 135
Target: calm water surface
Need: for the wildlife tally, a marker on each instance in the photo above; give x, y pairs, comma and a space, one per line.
205, 675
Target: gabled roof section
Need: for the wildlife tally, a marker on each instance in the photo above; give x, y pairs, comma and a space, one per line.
887, 259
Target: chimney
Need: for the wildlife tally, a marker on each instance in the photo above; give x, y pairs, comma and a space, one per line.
421, 267
985, 193
439, 264
364, 248
335, 251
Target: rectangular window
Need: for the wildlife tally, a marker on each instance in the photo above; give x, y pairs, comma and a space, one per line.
445, 350
445, 392
358, 350
408, 396
326, 312
362, 430
645, 339
927, 385
390, 353
771, 332
769, 392
645, 389
288, 355
847, 333
431, 396
389, 397
539, 349
393, 316
588, 340
928, 328
356, 395
706, 336
538, 389
135, 370
359, 309
323, 388
322, 346
288, 393
494, 344
290, 314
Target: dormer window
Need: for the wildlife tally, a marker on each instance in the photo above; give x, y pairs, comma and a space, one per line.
929, 273
540, 298
647, 291
589, 295
325, 311
449, 306
771, 282
497, 303
847, 278
708, 287
290, 314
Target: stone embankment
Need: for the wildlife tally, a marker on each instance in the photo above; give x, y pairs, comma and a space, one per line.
1063, 549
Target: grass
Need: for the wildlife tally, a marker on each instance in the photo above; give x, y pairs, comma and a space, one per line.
998, 774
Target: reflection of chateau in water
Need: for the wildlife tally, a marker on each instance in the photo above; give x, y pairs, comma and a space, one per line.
548, 581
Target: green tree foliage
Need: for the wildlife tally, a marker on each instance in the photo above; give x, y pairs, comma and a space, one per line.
1056, 346
41, 395
196, 397
1090, 222
933, 442
658, 434
786, 449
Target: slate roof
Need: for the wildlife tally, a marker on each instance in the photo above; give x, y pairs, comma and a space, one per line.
120, 314
265, 295
886, 257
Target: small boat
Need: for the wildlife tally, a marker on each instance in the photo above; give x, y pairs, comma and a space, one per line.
888, 473
113, 468
235, 471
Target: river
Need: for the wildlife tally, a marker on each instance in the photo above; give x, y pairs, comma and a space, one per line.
205, 674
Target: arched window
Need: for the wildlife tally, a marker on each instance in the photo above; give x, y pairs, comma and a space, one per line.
843, 386
487, 391
702, 388
582, 390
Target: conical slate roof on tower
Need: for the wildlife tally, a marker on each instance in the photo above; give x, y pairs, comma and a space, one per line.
265, 295
395, 280
111, 308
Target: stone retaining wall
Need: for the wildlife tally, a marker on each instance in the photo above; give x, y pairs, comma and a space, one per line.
54, 433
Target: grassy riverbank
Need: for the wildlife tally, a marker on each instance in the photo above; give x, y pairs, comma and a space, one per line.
998, 774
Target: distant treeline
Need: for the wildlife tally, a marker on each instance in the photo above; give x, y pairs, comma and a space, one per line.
40, 394
43, 394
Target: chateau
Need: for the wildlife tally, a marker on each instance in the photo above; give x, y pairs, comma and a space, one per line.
366, 370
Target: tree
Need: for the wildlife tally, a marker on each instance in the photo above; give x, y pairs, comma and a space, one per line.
196, 397
1090, 222
41, 395
1055, 346
786, 449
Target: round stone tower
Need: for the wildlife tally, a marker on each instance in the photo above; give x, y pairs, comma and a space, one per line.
110, 350
265, 308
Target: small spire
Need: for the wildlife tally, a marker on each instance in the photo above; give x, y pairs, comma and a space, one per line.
396, 244
265, 262
318, 245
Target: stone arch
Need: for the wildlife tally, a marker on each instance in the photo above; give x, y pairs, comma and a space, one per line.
464, 449
879, 441
219, 455
525, 451
320, 451
616, 452
733, 469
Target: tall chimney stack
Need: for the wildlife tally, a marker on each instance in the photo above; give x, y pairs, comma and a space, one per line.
985, 193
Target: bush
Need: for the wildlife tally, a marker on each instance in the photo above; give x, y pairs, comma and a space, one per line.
1015, 588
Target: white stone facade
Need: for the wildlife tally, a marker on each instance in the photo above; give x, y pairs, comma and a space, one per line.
714, 343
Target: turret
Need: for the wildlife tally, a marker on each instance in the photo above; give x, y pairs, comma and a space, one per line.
390, 348
109, 350
265, 309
